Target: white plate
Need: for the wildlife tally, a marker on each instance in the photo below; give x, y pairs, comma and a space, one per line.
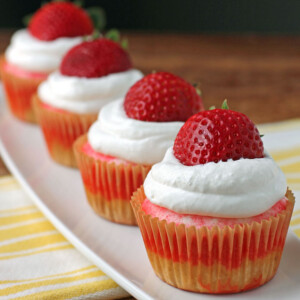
116, 249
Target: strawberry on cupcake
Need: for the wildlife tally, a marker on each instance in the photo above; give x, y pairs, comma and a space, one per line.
36, 51
129, 136
214, 213
91, 74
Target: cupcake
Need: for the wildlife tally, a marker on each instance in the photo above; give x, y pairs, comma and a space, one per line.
36, 51
214, 213
128, 138
91, 74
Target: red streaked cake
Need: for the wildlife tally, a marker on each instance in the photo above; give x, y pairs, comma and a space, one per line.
212, 259
109, 182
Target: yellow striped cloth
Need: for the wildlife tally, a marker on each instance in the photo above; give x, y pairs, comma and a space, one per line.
37, 262
283, 142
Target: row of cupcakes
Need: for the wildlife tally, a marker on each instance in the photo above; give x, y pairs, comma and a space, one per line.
214, 208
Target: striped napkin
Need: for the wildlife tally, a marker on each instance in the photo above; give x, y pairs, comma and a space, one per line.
282, 140
37, 262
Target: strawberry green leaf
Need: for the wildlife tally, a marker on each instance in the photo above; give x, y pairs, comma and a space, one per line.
225, 104
198, 91
97, 14
113, 34
196, 86
125, 44
26, 19
79, 3
96, 34
212, 107
261, 135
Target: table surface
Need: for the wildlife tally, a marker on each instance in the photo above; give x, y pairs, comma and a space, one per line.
259, 75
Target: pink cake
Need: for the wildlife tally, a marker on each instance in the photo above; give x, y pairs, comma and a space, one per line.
199, 221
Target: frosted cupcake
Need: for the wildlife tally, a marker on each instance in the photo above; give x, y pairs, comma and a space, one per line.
214, 213
91, 75
128, 138
37, 51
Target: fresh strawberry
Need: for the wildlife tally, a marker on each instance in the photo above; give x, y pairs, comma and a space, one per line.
217, 135
95, 59
162, 97
60, 19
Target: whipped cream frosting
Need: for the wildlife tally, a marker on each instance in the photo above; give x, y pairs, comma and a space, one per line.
232, 189
32, 54
114, 133
85, 95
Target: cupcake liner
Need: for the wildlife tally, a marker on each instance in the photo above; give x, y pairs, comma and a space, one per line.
61, 129
19, 92
214, 260
109, 185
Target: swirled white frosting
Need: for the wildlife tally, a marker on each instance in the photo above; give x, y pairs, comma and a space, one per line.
232, 189
32, 54
137, 141
85, 95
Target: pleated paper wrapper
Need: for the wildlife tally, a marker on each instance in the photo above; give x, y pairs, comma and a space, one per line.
214, 260
61, 129
109, 185
19, 92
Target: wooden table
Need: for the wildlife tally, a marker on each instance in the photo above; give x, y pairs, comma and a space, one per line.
259, 75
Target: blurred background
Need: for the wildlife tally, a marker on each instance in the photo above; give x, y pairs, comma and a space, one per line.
247, 51
271, 16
